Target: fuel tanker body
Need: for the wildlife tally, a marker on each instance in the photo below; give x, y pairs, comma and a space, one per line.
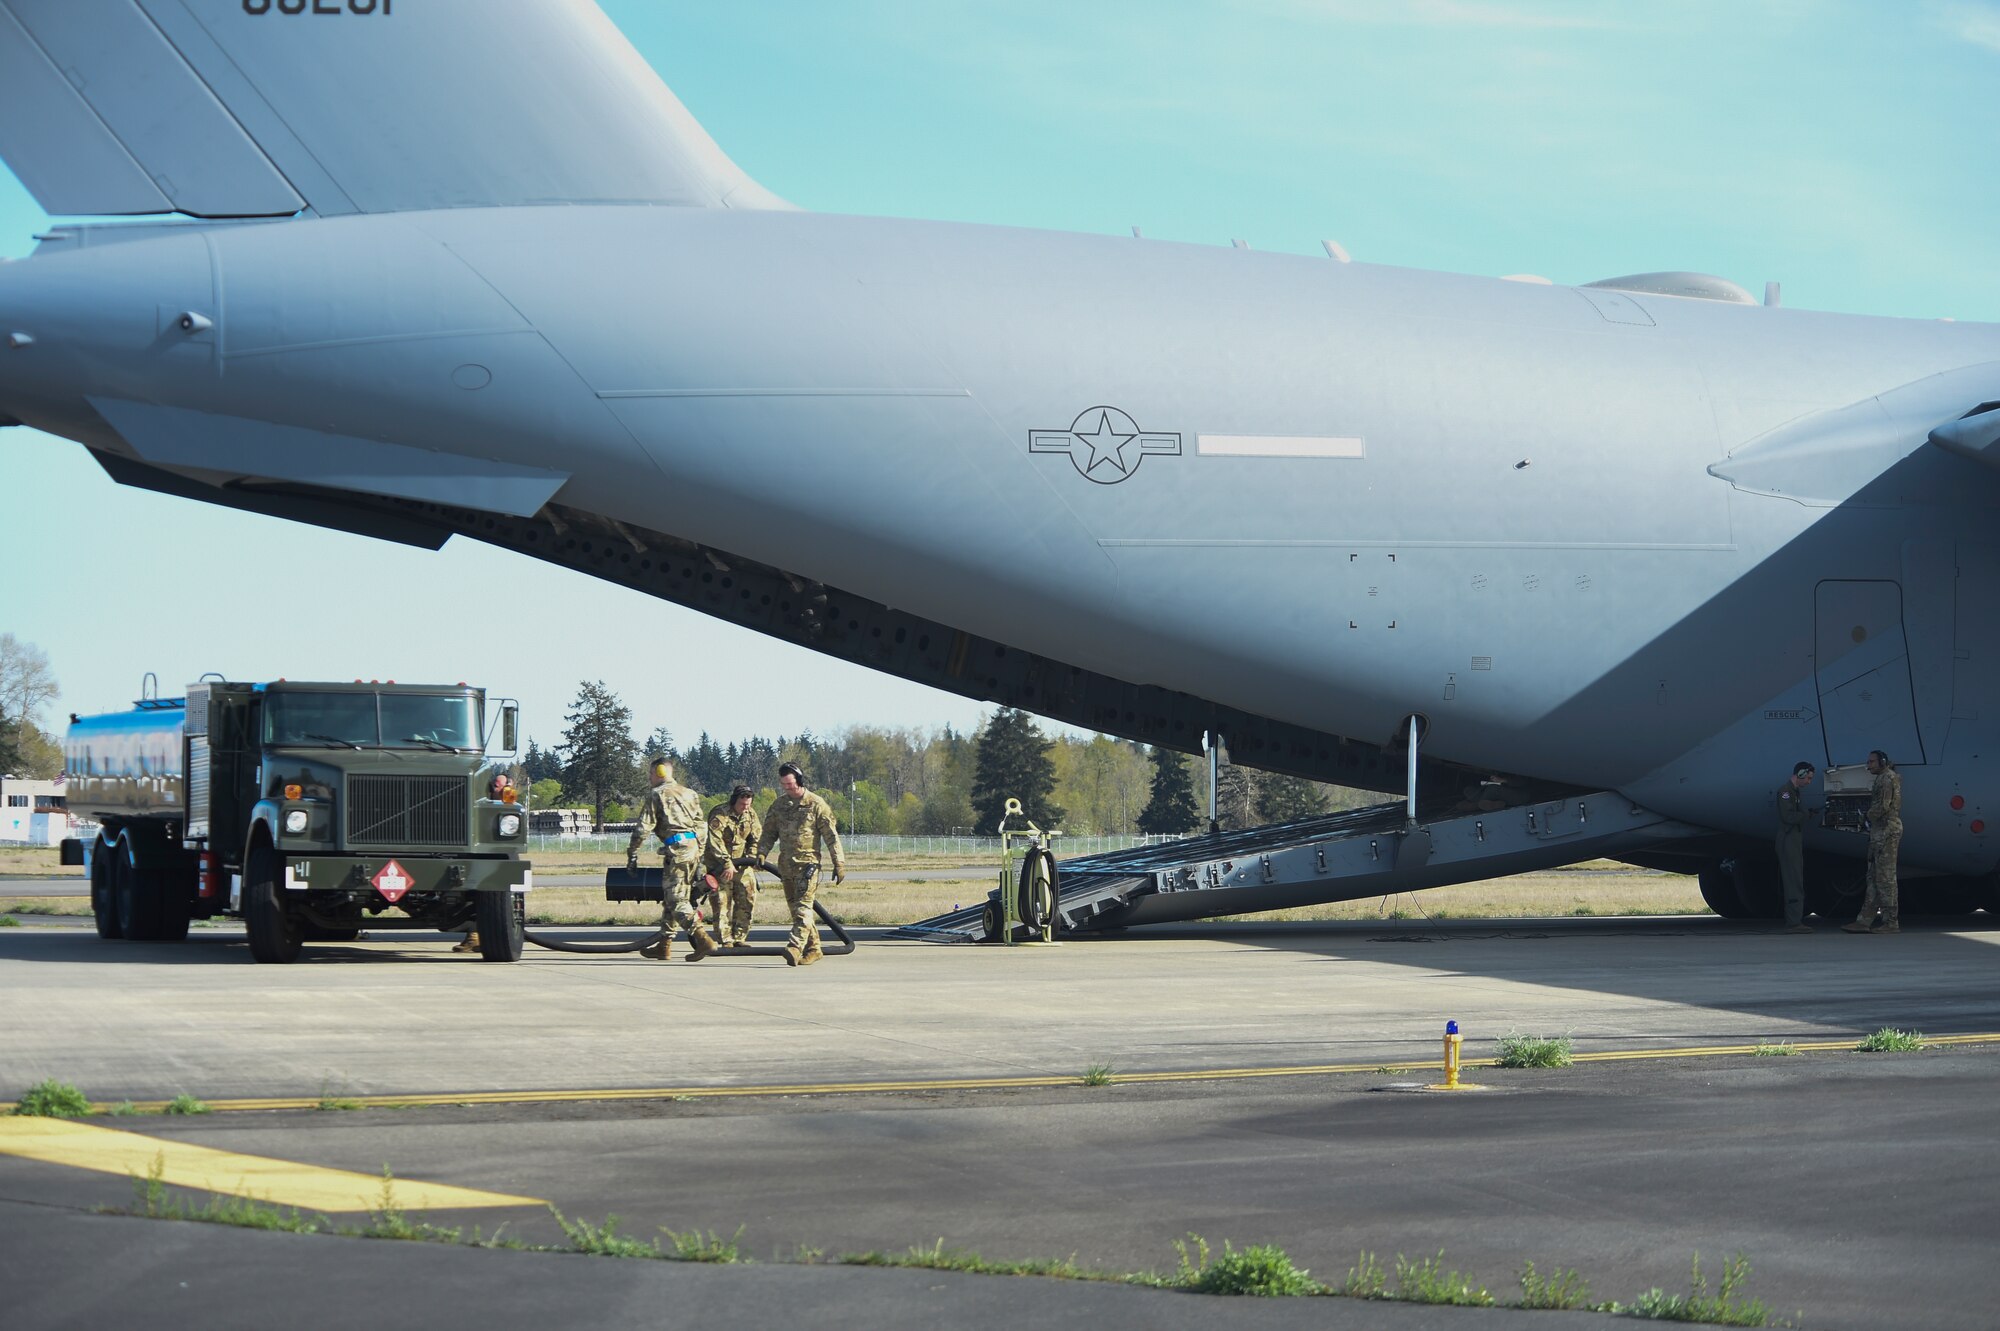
309, 810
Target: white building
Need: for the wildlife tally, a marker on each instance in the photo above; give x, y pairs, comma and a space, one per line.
32, 811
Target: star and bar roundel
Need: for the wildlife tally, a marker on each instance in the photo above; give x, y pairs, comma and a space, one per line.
1104, 444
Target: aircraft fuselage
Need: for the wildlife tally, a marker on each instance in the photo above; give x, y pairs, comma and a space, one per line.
1611, 539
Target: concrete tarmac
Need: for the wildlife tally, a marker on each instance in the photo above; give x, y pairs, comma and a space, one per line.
1859, 1186
403, 1015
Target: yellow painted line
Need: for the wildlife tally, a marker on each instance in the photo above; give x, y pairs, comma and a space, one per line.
429, 1099
280, 1182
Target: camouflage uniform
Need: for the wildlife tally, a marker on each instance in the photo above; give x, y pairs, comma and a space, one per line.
800, 825
1885, 842
731, 837
1792, 852
674, 812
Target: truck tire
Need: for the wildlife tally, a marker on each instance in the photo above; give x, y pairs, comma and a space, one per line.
502, 921
104, 890
140, 890
275, 933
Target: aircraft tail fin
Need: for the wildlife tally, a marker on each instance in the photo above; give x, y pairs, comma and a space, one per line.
266, 108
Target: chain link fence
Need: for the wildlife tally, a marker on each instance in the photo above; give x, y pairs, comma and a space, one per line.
970, 847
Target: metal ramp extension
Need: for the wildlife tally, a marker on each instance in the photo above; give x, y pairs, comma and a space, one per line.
1335, 857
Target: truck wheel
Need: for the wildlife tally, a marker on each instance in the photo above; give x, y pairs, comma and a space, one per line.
275, 933
140, 888
104, 890
502, 920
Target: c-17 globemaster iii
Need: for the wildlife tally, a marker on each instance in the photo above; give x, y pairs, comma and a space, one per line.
470, 268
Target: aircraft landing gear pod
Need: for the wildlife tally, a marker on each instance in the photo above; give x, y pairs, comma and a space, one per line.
1022, 910
647, 885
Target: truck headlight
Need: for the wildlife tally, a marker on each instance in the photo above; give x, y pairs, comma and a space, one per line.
295, 822
510, 824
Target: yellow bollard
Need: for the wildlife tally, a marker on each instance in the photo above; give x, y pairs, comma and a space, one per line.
1452, 1040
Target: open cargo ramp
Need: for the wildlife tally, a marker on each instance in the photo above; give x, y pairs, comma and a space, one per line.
1335, 857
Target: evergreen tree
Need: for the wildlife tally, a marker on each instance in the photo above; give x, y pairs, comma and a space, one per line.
1281, 799
1013, 762
1171, 808
600, 757
704, 767
1236, 795
660, 744
542, 764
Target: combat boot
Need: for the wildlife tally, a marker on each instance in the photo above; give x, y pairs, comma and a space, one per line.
811, 954
660, 949
1887, 927
791, 955
1856, 927
470, 943
704, 946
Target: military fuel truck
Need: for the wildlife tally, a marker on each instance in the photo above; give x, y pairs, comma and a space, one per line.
311, 811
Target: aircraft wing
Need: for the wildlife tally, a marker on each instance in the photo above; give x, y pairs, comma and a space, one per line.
267, 108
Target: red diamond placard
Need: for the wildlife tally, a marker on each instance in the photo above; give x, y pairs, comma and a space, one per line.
392, 881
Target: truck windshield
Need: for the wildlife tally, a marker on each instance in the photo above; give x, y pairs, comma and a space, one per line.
372, 720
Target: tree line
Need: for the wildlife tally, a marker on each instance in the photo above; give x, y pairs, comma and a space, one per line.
915, 781
26, 686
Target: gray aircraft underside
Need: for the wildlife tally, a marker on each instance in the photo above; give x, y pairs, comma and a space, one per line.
1599, 537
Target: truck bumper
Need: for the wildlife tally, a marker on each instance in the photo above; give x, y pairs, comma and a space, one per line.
348, 873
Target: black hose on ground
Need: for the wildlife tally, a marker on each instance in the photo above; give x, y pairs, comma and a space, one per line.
844, 946
601, 949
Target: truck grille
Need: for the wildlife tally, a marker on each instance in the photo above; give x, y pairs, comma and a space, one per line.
406, 811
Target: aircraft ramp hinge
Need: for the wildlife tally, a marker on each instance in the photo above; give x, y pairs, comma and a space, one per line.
1479, 829
1269, 872
1319, 858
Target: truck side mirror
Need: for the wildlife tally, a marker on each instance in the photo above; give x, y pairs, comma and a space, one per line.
508, 719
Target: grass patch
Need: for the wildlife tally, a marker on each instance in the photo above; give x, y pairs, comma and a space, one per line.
1258, 1270
1559, 1290
1098, 1074
1429, 1282
1534, 1051
65, 906
152, 1200
603, 1240
1366, 1279
50, 1098
125, 1109
694, 1246
332, 1103
1262, 1270
387, 1220
1783, 1049
9, 922
1722, 1308
184, 1104
937, 1257
1889, 1040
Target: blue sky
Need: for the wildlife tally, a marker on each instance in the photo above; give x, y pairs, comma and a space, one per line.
1848, 150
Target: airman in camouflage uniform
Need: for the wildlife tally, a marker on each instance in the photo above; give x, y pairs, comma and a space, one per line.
1885, 842
673, 812
733, 829
800, 824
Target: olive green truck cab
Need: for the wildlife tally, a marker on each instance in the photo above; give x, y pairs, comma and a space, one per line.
312, 811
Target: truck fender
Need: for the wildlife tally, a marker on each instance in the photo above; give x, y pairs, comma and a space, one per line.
264, 816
